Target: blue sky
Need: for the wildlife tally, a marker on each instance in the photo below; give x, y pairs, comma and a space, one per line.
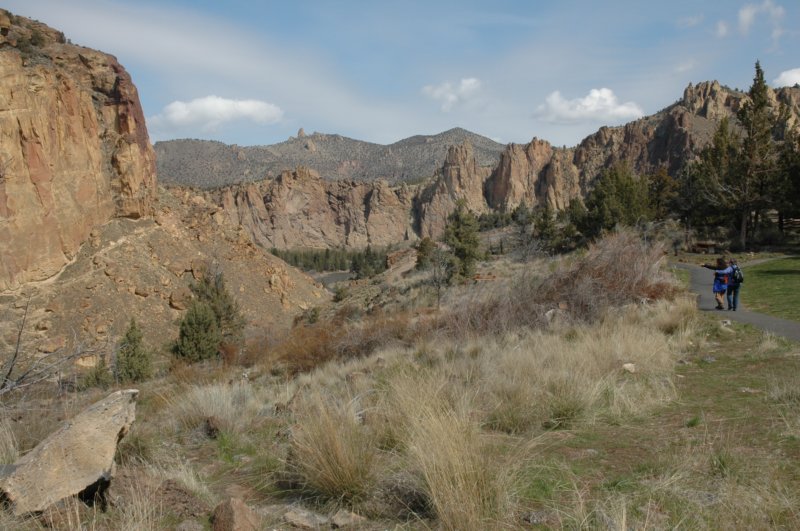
254, 72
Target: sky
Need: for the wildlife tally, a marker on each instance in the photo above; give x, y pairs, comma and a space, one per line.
255, 72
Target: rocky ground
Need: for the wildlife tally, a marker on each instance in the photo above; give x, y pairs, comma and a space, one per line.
142, 269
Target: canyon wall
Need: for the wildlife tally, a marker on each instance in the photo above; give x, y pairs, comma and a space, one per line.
74, 149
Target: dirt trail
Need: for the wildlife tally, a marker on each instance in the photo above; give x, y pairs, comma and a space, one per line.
700, 283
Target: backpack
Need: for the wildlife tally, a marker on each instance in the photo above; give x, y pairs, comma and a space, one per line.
738, 276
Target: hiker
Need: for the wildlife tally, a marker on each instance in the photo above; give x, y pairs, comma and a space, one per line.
722, 272
734, 283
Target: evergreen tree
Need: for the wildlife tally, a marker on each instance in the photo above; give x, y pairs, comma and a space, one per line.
211, 291
618, 197
663, 190
199, 337
545, 227
461, 234
133, 362
754, 182
425, 248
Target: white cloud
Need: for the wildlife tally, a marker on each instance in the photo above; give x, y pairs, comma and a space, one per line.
690, 21
451, 95
722, 29
210, 112
600, 105
775, 13
788, 78
685, 66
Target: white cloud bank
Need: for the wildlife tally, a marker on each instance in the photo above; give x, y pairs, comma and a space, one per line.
787, 78
600, 105
210, 112
451, 95
721, 30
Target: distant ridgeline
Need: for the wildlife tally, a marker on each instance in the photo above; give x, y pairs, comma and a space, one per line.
327, 191
209, 164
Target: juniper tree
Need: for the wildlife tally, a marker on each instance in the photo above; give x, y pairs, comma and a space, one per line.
211, 291
461, 234
199, 337
133, 363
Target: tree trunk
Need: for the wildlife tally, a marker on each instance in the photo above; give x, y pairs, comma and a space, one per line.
743, 231
780, 222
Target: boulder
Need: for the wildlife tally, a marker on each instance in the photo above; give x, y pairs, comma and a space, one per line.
303, 519
234, 515
346, 519
77, 458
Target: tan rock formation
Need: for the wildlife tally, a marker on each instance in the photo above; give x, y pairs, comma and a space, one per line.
80, 453
460, 178
301, 210
74, 150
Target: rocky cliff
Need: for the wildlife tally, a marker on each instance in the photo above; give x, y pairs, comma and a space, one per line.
74, 149
299, 209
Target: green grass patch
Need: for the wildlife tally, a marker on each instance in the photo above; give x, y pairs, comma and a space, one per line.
682, 275
773, 288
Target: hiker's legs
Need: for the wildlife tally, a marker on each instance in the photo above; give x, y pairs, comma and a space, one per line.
720, 297
735, 296
729, 295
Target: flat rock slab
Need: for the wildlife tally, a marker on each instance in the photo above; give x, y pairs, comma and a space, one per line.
78, 454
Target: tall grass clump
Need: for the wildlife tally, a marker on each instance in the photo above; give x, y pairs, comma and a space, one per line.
233, 406
332, 451
467, 486
9, 449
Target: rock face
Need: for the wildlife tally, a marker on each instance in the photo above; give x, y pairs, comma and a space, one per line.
74, 149
460, 178
301, 210
77, 455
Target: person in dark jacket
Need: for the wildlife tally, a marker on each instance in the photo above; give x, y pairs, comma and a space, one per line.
722, 272
732, 291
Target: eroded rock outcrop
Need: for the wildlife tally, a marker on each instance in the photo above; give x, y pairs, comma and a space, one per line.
77, 455
301, 210
74, 149
461, 178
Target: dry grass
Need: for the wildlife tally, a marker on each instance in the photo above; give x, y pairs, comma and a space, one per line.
331, 449
233, 406
309, 346
466, 485
9, 451
618, 270
142, 510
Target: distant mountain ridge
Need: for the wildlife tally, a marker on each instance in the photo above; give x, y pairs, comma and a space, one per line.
210, 164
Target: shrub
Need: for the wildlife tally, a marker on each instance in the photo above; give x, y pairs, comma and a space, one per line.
199, 337
133, 359
98, 376
425, 248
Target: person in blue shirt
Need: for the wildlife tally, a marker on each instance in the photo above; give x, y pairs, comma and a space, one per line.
734, 283
722, 272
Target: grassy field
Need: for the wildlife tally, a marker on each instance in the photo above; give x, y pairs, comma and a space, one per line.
773, 288
567, 403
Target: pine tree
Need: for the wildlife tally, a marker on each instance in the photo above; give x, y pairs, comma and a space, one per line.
133, 362
461, 234
199, 338
211, 291
755, 180
425, 248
